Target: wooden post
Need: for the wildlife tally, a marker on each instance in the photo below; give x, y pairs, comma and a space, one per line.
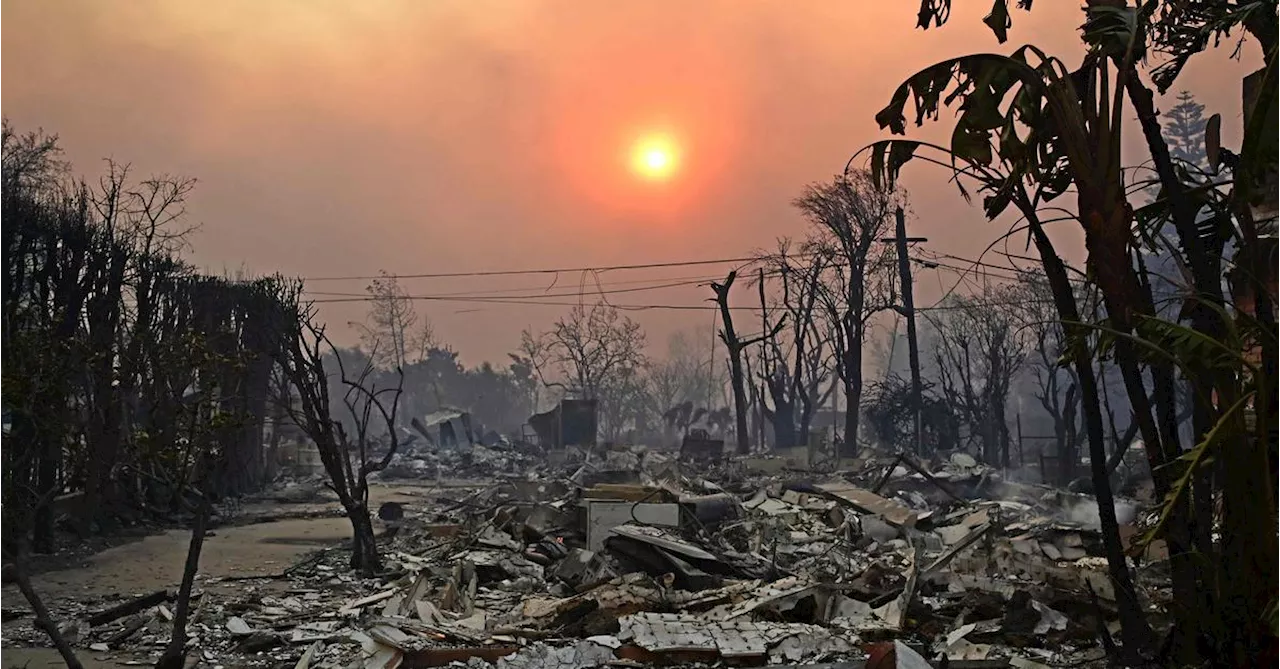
1022, 460
908, 310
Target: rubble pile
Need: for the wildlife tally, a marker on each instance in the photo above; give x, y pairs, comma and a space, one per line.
498, 458
631, 558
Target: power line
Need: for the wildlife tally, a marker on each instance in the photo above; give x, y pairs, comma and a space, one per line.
1007, 268
506, 296
971, 270
975, 264
579, 293
970, 305
537, 301
690, 280
520, 272
532, 302
656, 265
1020, 274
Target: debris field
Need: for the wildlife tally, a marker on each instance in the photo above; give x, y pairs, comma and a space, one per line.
630, 556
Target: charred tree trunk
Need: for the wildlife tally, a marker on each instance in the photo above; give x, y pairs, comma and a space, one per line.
364, 545
103, 312
1002, 429
347, 463
1107, 240
806, 416
68, 301
990, 432
1250, 562
853, 397
1135, 631
43, 620
736, 374
739, 403
1067, 455
175, 653
48, 485
1248, 566
783, 418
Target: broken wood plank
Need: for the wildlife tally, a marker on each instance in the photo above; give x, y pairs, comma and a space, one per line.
869, 502
371, 599
910, 462
439, 657
888, 474
135, 605
251, 577
419, 627
960, 545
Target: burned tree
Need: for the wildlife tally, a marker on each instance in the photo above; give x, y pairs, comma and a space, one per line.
594, 354
849, 216
735, 346
979, 348
348, 452
134, 383
687, 377
890, 414
1057, 385
116, 352
396, 331
793, 360
17, 511
175, 652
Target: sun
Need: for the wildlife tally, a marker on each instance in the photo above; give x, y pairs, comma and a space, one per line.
655, 157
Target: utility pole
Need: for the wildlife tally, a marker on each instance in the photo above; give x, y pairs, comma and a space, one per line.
909, 311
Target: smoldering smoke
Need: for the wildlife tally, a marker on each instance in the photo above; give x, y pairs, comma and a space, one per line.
1087, 513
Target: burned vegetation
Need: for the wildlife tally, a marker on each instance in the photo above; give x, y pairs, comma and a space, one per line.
1053, 466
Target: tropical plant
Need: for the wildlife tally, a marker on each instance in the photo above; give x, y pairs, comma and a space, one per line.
1030, 129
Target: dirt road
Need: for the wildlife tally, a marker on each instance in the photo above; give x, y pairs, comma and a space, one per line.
155, 562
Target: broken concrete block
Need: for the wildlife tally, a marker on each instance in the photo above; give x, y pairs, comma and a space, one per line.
238, 626
879, 530
579, 568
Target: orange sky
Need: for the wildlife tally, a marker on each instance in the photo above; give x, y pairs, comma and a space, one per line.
339, 138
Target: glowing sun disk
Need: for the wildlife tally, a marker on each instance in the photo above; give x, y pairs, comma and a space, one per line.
654, 158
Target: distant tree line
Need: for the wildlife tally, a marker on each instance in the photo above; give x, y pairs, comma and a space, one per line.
597, 352
395, 336
499, 400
